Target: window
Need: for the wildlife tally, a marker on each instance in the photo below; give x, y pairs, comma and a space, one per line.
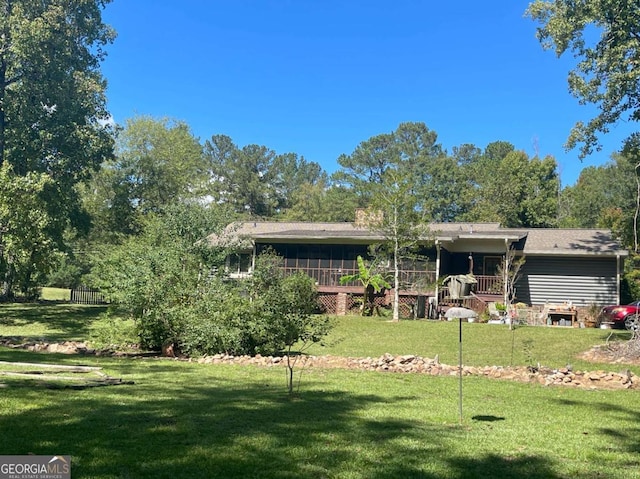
239, 265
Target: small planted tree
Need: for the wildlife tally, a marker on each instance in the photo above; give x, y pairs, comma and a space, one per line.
288, 304
510, 271
372, 282
300, 327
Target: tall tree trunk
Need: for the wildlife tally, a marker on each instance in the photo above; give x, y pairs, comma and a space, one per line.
5, 43
396, 268
6, 288
637, 212
3, 89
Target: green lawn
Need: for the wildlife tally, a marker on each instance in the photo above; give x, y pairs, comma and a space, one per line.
186, 420
483, 344
52, 322
55, 294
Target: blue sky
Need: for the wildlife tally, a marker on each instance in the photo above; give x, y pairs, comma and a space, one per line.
317, 77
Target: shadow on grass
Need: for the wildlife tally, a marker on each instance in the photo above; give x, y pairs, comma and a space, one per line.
492, 465
627, 439
620, 334
188, 421
62, 322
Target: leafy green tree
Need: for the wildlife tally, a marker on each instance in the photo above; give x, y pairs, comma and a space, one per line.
631, 152
27, 249
442, 186
497, 151
593, 203
165, 280
299, 327
53, 118
515, 190
291, 173
607, 74
284, 312
52, 98
479, 167
323, 202
157, 163
438, 180
256, 181
242, 177
582, 203
159, 276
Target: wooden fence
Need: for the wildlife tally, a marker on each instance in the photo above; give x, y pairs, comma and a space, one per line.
86, 295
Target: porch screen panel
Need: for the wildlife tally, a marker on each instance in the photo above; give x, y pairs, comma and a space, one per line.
302, 256
349, 258
314, 257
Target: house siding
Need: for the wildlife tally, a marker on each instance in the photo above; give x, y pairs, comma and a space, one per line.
581, 280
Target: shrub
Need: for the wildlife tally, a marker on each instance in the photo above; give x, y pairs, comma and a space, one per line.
113, 333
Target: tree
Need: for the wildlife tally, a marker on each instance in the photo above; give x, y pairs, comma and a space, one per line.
509, 270
441, 186
631, 152
608, 73
159, 278
514, 190
291, 173
323, 202
158, 163
165, 279
593, 203
26, 243
386, 170
53, 118
284, 307
242, 177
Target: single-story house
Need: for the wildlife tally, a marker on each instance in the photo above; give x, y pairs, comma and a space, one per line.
577, 266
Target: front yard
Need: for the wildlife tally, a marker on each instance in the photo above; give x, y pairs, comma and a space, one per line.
184, 419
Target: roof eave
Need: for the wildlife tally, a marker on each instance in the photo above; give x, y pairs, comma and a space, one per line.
565, 252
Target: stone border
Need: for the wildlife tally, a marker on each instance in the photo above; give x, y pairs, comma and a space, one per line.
417, 364
386, 363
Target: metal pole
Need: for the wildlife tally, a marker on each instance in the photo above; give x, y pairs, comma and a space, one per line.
437, 298
460, 369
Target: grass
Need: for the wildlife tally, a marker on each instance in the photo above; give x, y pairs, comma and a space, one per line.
55, 294
53, 322
188, 420
482, 344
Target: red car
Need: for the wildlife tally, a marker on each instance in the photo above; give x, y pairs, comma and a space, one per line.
627, 316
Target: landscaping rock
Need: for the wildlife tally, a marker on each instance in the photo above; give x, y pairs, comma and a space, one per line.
410, 364
403, 364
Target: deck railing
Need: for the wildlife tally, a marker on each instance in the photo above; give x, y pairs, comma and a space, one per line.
488, 284
411, 280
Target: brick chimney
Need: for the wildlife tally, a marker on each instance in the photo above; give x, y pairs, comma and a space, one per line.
366, 218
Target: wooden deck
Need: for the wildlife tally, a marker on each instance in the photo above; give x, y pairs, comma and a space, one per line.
328, 280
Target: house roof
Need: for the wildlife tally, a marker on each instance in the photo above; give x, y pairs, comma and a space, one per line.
246, 232
575, 241
535, 241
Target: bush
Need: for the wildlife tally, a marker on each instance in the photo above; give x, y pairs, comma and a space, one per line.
113, 333
158, 280
220, 322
